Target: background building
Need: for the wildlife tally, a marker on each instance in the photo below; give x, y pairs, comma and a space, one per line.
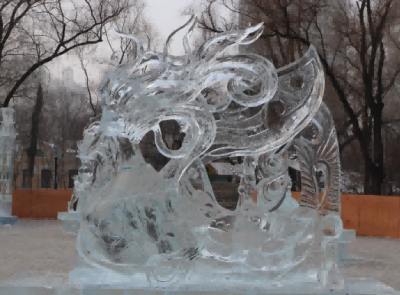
53, 165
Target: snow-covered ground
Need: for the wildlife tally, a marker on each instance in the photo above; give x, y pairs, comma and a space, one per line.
41, 246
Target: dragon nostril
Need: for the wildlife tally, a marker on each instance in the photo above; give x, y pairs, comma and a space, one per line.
277, 107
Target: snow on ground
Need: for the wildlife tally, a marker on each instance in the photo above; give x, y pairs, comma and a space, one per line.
34, 245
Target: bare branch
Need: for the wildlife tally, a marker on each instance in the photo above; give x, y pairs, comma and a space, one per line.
83, 67
51, 33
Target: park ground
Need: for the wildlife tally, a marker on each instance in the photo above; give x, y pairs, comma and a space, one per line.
39, 245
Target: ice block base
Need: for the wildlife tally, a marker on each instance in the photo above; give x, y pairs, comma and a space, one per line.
45, 283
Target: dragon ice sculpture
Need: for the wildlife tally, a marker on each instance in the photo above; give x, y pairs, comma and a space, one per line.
159, 227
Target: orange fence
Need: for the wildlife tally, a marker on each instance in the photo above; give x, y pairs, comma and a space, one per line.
368, 215
375, 216
40, 204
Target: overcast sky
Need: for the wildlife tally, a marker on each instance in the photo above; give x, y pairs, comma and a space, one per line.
163, 14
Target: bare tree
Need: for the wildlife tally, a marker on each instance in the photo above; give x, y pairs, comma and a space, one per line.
59, 115
353, 42
63, 121
32, 149
17, 170
61, 118
132, 22
45, 30
91, 87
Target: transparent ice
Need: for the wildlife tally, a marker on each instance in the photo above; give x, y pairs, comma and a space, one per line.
167, 228
7, 153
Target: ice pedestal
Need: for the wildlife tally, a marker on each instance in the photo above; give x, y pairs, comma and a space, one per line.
11, 220
5, 210
343, 243
46, 283
70, 222
7, 153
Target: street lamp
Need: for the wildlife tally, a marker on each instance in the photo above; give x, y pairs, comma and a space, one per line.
57, 152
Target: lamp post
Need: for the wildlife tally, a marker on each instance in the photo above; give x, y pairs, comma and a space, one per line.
55, 172
56, 154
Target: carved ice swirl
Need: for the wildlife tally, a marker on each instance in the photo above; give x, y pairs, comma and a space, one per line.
137, 220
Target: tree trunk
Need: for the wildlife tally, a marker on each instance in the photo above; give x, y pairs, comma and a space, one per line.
28, 181
378, 172
374, 174
374, 179
367, 175
374, 166
31, 152
368, 164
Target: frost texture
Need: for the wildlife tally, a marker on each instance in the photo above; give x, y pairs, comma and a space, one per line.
7, 153
167, 228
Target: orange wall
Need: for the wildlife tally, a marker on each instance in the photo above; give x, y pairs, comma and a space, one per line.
40, 204
375, 216
368, 215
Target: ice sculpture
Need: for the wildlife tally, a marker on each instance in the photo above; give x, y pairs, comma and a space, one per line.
167, 228
102, 153
312, 148
7, 153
